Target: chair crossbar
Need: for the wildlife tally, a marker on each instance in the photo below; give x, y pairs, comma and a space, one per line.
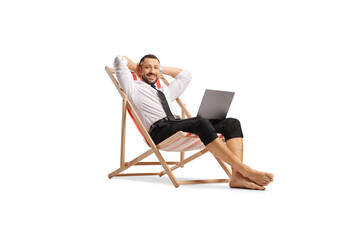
187, 160
204, 181
135, 174
152, 163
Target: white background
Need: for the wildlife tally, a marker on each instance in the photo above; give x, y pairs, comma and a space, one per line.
294, 66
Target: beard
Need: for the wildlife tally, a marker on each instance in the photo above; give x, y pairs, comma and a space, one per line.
149, 81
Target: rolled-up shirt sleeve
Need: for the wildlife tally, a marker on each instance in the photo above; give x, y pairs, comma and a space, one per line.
124, 75
178, 86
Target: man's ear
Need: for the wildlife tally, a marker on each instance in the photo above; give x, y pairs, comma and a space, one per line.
138, 70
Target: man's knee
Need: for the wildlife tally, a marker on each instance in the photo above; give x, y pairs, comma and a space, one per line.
233, 122
232, 129
205, 130
202, 121
203, 124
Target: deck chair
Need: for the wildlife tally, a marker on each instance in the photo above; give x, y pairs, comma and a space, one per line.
179, 142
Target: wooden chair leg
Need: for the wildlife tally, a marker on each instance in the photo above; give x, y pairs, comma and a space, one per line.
123, 133
187, 160
182, 157
226, 169
166, 168
133, 162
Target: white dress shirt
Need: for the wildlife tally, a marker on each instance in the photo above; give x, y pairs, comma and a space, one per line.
144, 98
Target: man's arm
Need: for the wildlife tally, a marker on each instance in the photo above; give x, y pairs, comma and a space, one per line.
182, 80
123, 75
178, 86
171, 71
132, 65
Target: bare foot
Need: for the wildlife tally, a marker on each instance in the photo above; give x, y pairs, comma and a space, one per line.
258, 177
238, 181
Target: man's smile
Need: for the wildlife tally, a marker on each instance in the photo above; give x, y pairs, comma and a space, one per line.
152, 76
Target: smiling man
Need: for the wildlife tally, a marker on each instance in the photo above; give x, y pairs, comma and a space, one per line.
150, 66
155, 109
142, 94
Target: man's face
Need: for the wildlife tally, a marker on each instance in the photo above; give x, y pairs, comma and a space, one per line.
150, 70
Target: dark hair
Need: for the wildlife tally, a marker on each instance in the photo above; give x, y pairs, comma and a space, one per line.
147, 56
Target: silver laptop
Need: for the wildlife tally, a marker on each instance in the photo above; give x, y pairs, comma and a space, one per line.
215, 104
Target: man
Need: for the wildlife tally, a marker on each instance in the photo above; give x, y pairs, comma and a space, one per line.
155, 109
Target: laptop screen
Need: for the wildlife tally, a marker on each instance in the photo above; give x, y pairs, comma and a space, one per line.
215, 104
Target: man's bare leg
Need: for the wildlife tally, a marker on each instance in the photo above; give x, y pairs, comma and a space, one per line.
236, 146
220, 150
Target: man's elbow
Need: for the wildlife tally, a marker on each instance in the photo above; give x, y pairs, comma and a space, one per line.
184, 74
119, 62
188, 75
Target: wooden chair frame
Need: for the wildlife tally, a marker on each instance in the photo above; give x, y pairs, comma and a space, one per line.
156, 148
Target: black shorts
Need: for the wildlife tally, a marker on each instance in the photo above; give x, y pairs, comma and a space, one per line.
206, 129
